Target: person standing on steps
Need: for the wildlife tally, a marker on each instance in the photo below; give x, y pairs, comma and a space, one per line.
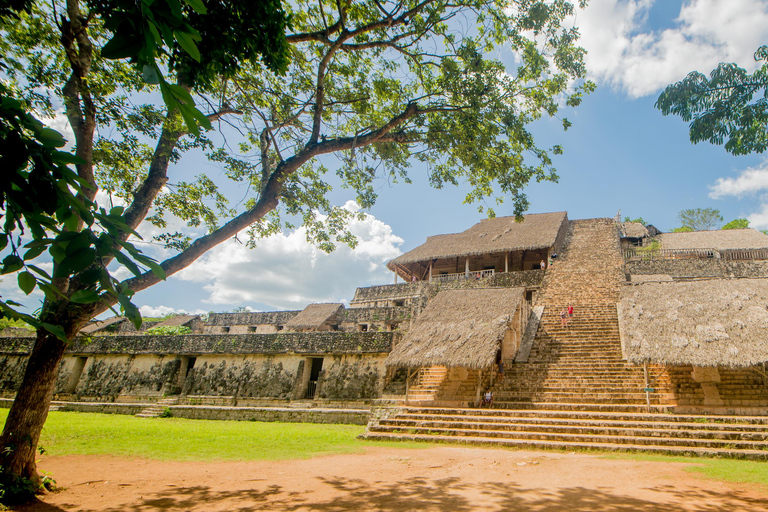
542, 265
570, 312
564, 318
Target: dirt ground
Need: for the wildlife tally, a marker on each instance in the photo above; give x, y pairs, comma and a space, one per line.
440, 478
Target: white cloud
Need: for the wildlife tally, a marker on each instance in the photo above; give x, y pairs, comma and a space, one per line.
759, 220
60, 123
285, 271
750, 181
624, 52
158, 311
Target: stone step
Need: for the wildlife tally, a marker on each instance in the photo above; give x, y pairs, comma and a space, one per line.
589, 420
565, 445
657, 437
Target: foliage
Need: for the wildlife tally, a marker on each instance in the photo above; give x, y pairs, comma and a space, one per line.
6, 323
699, 219
169, 330
639, 219
728, 107
166, 413
737, 224
380, 84
682, 229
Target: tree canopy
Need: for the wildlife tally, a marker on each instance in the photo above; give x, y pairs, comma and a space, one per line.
736, 224
380, 84
728, 108
699, 219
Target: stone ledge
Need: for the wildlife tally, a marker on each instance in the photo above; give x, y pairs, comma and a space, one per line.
207, 412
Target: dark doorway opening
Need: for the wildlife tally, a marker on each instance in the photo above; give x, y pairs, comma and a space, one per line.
314, 375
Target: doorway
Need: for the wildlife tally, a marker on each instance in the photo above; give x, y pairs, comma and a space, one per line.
314, 375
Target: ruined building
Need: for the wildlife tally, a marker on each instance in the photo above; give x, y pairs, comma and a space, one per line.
670, 323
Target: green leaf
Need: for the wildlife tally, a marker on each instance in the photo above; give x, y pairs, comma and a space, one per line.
188, 44
128, 262
197, 5
130, 311
150, 74
34, 252
55, 330
77, 261
157, 270
11, 263
121, 47
85, 296
39, 271
27, 282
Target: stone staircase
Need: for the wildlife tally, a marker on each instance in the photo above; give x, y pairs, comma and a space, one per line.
436, 386
743, 437
573, 390
156, 409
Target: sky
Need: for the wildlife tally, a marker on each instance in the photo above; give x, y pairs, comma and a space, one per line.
621, 154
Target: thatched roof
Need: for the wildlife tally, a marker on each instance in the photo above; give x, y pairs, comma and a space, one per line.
716, 322
102, 324
633, 230
458, 328
719, 239
501, 234
314, 315
177, 320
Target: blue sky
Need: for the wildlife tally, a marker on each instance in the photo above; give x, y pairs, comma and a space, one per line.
620, 154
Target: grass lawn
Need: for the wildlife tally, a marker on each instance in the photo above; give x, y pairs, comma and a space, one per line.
70, 433
726, 470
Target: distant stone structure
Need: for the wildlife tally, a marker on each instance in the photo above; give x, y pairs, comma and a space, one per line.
684, 315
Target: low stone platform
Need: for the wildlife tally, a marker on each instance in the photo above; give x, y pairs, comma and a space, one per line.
292, 414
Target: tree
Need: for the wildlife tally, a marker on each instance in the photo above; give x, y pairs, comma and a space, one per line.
379, 84
44, 200
728, 107
699, 219
639, 219
737, 224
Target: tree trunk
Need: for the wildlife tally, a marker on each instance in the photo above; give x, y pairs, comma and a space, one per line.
30, 408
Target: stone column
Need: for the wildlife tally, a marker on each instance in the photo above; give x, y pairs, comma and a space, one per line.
708, 377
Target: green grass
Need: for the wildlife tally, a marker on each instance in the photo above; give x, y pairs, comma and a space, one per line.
726, 470
69, 433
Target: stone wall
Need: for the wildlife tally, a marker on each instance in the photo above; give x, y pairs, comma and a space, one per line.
698, 268
742, 390
239, 366
276, 343
352, 376
527, 279
12, 368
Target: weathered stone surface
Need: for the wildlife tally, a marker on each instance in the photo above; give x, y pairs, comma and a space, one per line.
279, 343
526, 278
350, 378
699, 267
11, 372
241, 379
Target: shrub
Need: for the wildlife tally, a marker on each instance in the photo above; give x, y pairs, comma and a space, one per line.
169, 330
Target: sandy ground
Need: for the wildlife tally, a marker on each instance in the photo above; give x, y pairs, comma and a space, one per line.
440, 478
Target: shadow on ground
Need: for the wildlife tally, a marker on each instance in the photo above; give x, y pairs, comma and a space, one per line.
424, 495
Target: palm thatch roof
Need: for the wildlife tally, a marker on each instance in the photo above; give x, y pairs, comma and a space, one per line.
719, 239
177, 320
314, 316
633, 230
102, 324
459, 328
716, 322
501, 234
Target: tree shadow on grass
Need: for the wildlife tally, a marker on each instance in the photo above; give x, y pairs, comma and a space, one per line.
426, 495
